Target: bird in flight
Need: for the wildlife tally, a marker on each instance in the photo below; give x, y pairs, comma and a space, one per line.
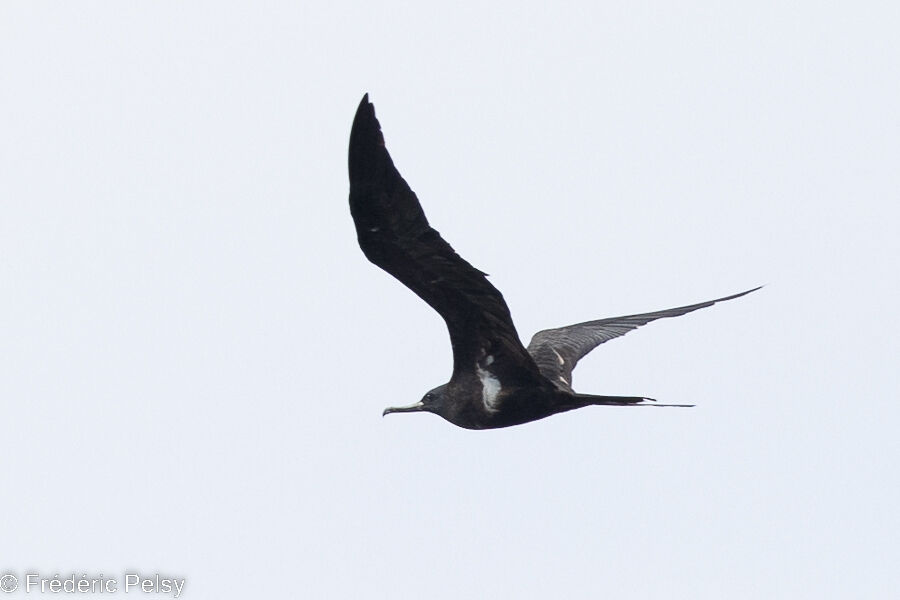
496, 381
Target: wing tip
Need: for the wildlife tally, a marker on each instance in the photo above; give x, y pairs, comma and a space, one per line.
366, 142
365, 110
738, 295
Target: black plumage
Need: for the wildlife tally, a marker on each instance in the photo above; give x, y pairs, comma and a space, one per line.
496, 381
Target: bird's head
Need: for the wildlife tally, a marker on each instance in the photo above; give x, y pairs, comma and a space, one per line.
433, 401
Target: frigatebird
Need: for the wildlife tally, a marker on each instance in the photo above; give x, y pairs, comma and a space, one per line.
496, 381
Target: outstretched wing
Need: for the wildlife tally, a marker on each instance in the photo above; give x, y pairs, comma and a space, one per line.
557, 351
395, 235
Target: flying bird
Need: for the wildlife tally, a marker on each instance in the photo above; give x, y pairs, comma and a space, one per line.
496, 381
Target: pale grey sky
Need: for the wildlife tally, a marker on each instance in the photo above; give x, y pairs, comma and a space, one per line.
194, 353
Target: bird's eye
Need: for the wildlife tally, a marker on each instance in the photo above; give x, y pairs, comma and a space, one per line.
429, 396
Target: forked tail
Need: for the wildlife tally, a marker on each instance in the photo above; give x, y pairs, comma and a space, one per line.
625, 401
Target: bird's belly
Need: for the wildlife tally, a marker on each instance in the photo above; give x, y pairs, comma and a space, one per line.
513, 407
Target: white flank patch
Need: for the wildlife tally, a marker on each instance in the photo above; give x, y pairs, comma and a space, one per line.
490, 388
489, 360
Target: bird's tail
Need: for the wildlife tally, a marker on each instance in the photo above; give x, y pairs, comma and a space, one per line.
624, 401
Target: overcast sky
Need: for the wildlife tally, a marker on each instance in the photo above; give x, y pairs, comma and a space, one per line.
194, 353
